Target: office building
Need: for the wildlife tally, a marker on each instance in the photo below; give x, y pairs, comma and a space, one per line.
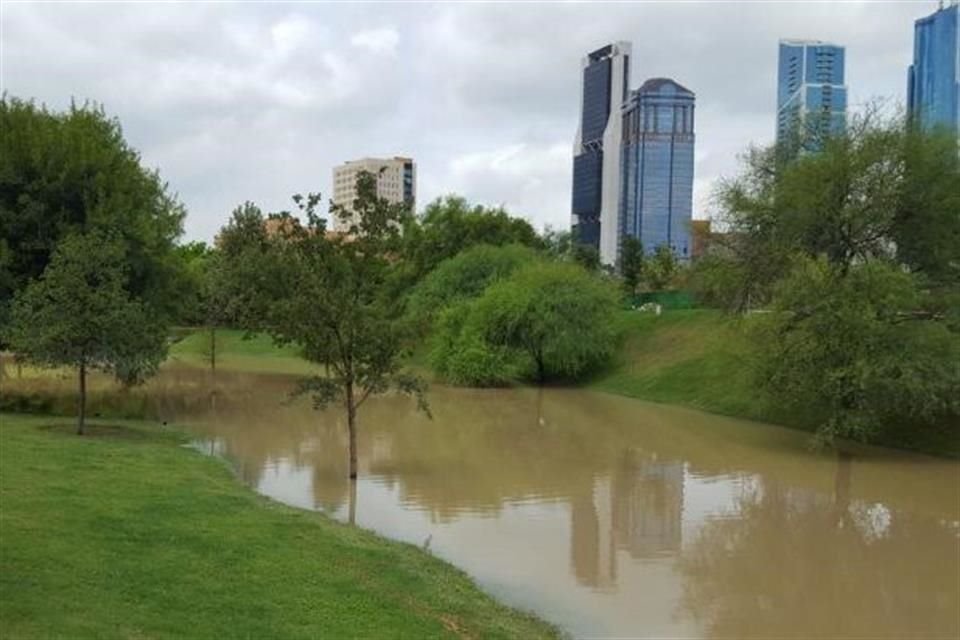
596, 155
811, 94
933, 80
396, 182
656, 202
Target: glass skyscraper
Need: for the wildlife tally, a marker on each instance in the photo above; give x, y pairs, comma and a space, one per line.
596, 154
811, 95
933, 80
656, 198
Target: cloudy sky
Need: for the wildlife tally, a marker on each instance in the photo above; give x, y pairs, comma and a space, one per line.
257, 101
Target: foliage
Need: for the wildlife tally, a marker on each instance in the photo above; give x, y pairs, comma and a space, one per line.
855, 249
631, 264
586, 256
72, 172
661, 269
859, 350
546, 321
330, 294
451, 224
463, 277
79, 314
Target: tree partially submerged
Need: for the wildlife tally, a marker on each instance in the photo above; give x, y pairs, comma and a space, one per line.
331, 295
79, 314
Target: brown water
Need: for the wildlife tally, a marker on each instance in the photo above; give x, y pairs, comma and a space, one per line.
613, 517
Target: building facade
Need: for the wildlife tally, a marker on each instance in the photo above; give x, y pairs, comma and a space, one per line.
933, 80
656, 201
596, 154
811, 94
396, 182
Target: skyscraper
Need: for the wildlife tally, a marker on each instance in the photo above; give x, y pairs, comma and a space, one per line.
811, 95
656, 201
596, 152
933, 80
396, 182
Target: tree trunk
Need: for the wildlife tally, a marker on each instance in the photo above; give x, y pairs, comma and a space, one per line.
352, 513
213, 350
82, 410
352, 429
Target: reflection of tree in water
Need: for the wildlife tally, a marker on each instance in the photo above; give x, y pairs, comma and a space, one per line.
636, 509
804, 564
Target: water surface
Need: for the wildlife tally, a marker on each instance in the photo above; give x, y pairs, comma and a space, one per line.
617, 518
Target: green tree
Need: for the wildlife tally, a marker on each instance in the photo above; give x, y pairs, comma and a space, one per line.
78, 313
631, 264
546, 321
330, 294
463, 277
451, 224
660, 269
73, 172
586, 256
855, 250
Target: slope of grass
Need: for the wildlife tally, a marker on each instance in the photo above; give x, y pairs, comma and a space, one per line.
695, 358
127, 534
237, 352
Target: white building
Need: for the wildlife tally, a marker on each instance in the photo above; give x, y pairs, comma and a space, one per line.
396, 182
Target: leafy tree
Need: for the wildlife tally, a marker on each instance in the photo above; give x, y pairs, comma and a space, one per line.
586, 256
660, 270
859, 350
72, 172
451, 224
546, 321
78, 313
330, 294
631, 264
463, 277
855, 250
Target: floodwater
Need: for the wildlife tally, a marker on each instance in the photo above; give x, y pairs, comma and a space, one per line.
618, 518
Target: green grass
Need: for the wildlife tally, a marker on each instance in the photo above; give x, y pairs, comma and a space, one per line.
695, 358
236, 352
125, 533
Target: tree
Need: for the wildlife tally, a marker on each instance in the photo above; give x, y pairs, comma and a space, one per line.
331, 295
546, 321
78, 313
463, 277
855, 251
631, 264
73, 172
586, 256
661, 268
451, 224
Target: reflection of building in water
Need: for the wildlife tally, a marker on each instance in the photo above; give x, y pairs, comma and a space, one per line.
638, 509
648, 498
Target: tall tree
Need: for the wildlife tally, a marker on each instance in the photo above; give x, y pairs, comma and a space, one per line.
330, 294
79, 314
631, 264
73, 172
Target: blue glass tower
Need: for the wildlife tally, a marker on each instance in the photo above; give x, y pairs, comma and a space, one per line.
933, 80
596, 171
656, 202
811, 95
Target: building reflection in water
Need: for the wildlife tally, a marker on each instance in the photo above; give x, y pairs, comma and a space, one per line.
637, 508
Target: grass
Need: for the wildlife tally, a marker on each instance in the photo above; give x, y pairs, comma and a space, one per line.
238, 352
126, 533
694, 358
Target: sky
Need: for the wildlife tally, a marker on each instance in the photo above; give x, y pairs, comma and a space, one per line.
258, 101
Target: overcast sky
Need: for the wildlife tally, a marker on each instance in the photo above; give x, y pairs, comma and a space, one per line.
257, 101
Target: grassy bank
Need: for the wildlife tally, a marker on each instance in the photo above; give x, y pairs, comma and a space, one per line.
125, 533
238, 352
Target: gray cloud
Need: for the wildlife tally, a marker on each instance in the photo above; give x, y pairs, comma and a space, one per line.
259, 101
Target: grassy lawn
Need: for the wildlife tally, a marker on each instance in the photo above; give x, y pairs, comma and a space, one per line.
688, 357
237, 353
127, 534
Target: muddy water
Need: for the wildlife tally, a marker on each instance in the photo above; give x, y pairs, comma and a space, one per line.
613, 517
